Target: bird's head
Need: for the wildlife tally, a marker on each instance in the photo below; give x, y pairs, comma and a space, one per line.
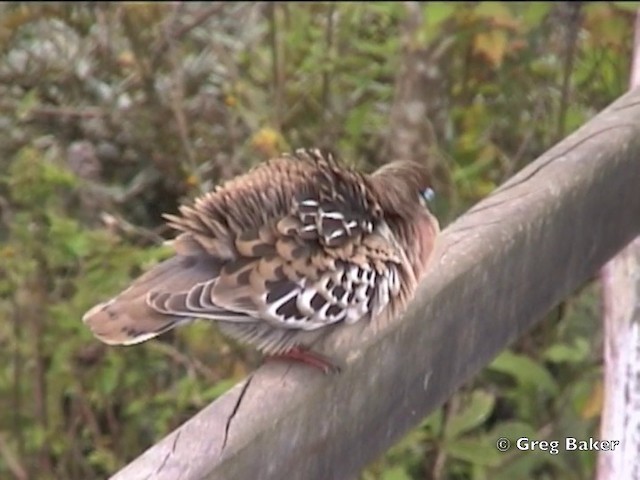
403, 188
403, 191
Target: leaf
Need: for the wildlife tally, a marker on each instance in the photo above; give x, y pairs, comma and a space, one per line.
101, 457
66, 240
575, 117
564, 353
267, 141
534, 13
605, 27
396, 473
595, 401
492, 10
435, 13
219, 388
33, 180
525, 371
473, 415
477, 451
492, 45
512, 430
29, 100
433, 423
630, 6
523, 465
108, 380
498, 13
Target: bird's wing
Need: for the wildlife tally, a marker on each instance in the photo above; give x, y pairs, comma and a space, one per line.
330, 258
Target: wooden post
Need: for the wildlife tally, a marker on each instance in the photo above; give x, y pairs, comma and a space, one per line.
498, 269
621, 297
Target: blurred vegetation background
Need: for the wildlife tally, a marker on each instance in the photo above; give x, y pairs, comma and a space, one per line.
113, 113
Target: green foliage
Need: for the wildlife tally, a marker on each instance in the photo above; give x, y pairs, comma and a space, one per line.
87, 397
113, 113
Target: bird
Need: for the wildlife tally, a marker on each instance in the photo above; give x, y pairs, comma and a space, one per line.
284, 254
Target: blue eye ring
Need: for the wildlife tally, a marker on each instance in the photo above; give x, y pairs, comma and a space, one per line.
428, 194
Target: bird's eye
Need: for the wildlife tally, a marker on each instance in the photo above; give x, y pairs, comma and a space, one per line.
428, 194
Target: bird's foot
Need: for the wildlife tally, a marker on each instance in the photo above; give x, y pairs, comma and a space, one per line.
325, 364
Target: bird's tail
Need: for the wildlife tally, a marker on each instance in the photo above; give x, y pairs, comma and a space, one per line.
127, 318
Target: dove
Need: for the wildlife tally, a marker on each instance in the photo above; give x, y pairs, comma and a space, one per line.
284, 254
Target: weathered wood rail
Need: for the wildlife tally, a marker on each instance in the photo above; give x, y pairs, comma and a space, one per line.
498, 269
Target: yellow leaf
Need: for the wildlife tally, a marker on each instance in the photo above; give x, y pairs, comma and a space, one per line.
605, 27
126, 59
492, 45
593, 405
230, 101
191, 180
493, 10
498, 14
267, 141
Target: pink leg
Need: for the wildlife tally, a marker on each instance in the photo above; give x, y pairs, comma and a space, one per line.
310, 358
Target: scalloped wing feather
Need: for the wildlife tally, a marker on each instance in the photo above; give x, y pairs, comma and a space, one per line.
295, 245
288, 290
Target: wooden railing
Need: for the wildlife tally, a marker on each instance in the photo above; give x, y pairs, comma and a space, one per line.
498, 269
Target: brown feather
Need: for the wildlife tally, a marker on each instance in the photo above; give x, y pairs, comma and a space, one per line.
279, 254
126, 319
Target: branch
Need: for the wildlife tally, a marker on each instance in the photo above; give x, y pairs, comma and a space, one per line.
498, 270
416, 93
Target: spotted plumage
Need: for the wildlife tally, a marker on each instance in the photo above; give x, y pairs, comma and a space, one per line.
279, 255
